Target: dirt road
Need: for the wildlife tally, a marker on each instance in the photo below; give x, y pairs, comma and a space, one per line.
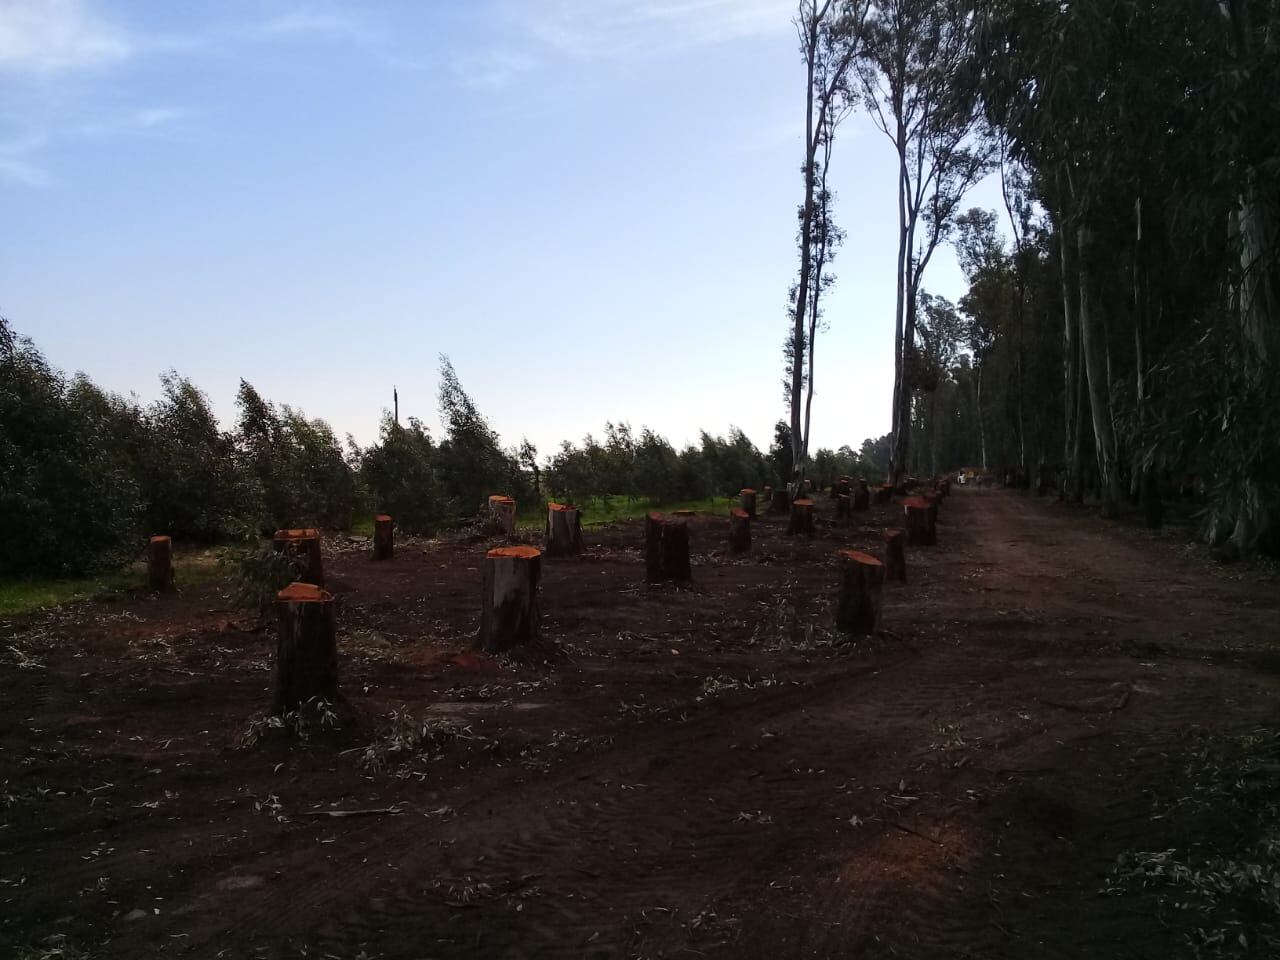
1055, 705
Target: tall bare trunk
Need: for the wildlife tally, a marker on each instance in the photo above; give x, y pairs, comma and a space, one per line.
982, 433
1070, 360
1096, 355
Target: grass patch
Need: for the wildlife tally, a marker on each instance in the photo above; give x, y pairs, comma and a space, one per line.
20, 595
609, 509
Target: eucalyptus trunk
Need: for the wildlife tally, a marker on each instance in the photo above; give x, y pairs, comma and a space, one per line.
1093, 340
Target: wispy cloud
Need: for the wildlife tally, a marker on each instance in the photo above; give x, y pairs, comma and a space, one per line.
16, 164
312, 22
494, 68
590, 29
51, 36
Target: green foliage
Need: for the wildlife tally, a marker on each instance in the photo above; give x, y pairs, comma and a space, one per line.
259, 572
400, 471
473, 464
187, 467
69, 499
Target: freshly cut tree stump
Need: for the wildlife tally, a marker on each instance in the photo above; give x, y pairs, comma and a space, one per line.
739, 530
747, 501
666, 549
509, 615
306, 650
895, 555
160, 564
843, 508
384, 543
780, 501
801, 517
884, 493
304, 546
684, 514
861, 498
858, 607
502, 515
920, 529
564, 530
843, 485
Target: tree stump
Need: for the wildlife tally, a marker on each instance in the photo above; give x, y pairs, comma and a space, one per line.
160, 564
801, 517
739, 530
895, 555
509, 611
861, 499
841, 486
884, 493
920, 529
666, 549
306, 649
767, 492
780, 501
747, 501
384, 543
858, 606
303, 545
502, 515
843, 507
564, 530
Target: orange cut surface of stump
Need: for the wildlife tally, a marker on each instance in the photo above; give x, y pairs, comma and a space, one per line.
523, 552
802, 502
303, 533
746, 490
160, 539
500, 498
561, 506
739, 513
304, 593
915, 502
382, 518
682, 513
860, 557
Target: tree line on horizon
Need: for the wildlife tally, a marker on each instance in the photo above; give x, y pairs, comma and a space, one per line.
86, 475
1121, 330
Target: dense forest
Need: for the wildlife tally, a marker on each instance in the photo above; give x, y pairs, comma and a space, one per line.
84, 474
1119, 332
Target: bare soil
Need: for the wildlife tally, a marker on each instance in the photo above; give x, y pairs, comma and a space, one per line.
1056, 716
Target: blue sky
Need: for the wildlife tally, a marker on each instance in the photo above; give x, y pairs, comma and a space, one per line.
589, 205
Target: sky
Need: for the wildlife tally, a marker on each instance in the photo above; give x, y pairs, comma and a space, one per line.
588, 205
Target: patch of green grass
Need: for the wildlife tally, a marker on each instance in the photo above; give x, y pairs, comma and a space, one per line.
609, 509
20, 595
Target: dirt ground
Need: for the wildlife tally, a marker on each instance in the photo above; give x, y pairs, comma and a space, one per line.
1065, 743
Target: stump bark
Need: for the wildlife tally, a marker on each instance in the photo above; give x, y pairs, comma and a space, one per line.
884, 493
920, 529
160, 564
779, 501
843, 507
509, 611
747, 501
303, 545
306, 649
502, 515
739, 530
843, 485
564, 530
801, 517
895, 555
861, 499
384, 543
666, 549
858, 606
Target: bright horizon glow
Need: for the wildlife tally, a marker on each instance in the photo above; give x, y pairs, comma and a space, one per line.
589, 205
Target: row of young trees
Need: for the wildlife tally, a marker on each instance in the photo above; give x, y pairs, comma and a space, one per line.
85, 474
1120, 330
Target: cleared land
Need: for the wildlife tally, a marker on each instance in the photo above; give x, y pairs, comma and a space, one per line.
1059, 714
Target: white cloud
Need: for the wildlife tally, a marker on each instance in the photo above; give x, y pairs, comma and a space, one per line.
607, 28
49, 36
493, 69
306, 21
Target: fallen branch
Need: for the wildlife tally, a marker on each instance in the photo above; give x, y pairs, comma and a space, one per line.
367, 812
